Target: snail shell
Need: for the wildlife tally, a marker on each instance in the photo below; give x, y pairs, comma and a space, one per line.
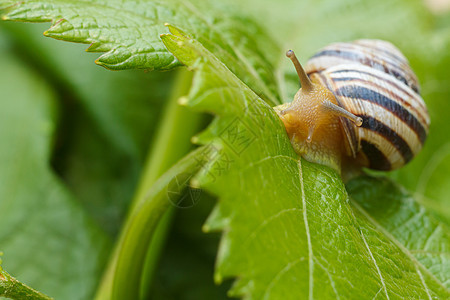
371, 80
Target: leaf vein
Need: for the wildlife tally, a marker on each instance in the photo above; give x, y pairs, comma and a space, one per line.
423, 282
279, 274
308, 235
333, 285
376, 264
267, 221
397, 243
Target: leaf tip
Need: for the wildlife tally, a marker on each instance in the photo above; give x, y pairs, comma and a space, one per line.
195, 183
90, 48
177, 31
218, 278
99, 62
195, 140
183, 101
206, 228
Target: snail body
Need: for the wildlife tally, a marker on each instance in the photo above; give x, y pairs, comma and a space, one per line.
359, 106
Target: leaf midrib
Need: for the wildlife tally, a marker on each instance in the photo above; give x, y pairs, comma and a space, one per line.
308, 234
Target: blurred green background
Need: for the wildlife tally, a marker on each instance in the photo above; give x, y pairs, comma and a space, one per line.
74, 139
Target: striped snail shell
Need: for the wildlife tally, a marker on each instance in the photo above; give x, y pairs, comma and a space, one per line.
359, 106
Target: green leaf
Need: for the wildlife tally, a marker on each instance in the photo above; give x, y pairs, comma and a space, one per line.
96, 92
289, 229
14, 289
395, 213
277, 211
129, 34
106, 124
50, 242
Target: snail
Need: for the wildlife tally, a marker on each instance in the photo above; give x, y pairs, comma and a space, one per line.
358, 106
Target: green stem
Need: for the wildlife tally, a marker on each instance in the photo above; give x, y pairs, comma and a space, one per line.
123, 274
154, 252
141, 228
173, 139
14, 289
